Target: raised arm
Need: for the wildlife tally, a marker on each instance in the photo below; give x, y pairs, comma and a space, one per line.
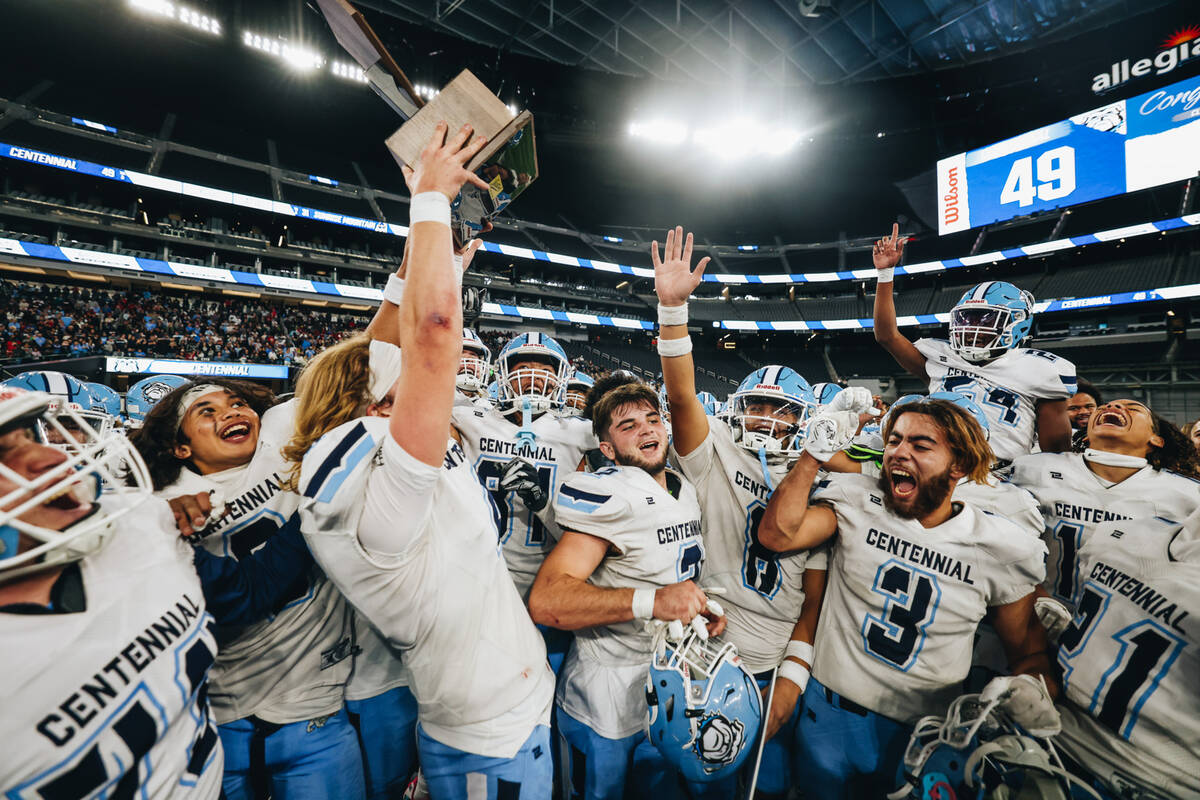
886, 256
789, 522
562, 598
674, 281
1024, 640
431, 309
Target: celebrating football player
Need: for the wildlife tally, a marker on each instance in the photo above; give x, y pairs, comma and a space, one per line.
912, 574
1023, 391
631, 551
396, 516
106, 638
736, 467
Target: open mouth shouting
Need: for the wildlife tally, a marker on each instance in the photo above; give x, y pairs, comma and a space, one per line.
1113, 416
904, 483
236, 432
650, 448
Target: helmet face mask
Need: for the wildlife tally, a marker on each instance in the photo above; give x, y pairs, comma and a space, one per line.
576, 395
990, 319
100, 470
475, 367
544, 386
769, 411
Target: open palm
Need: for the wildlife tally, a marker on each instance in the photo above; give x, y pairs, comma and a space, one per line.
674, 278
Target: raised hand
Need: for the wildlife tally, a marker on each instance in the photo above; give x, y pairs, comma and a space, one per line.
889, 250
674, 278
442, 164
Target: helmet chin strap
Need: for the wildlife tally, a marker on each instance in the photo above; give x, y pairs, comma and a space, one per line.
766, 473
1110, 459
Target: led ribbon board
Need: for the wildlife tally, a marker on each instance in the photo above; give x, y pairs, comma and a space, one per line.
1144, 141
172, 366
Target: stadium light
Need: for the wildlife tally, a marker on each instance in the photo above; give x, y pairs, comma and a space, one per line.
181, 13
299, 58
659, 131
350, 72
741, 137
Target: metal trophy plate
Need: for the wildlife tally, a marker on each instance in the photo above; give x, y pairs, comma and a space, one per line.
508, 162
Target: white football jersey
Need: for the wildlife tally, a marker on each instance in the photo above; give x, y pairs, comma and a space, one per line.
1073, 500
902, 602
110, 701
1131, 663
763, 592
476, 663
293, 666
655, 541
1007, 389
491, 440
378, 667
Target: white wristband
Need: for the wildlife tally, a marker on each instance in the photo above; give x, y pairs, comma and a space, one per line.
673, 348
796, 673
672, 315
885, 275
458, 269
429, 207
394, 291
643, 603
800, 650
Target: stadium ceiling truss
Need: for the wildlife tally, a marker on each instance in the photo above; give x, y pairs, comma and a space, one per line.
719, 42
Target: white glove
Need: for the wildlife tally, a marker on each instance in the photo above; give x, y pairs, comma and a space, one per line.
1054, 616
830, 432
853, 398
1027, 702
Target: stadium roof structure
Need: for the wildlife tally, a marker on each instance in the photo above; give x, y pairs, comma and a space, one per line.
714, 42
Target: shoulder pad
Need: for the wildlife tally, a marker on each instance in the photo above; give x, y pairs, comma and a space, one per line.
341, 452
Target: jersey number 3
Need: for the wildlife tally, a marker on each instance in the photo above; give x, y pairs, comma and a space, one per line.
910, 601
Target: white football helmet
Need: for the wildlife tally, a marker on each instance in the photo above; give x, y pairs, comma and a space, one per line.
474, 370
102, 471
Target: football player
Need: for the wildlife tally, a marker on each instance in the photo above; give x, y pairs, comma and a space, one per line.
396, 515
735, 467
523, 450
106, 637
68, 392
475, 368
106, 400
1138, 465
578, 387
214, 452
1023, 391
630, 551
1130, 657
912, 574
1080, 407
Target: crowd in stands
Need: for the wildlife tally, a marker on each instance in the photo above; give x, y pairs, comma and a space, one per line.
46, 321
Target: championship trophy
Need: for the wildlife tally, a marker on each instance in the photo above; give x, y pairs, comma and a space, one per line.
507, 163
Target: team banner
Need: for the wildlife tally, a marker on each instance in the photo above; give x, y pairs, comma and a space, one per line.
171, 366
1144, 141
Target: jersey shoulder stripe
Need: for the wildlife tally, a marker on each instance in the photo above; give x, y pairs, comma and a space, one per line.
579, 500
357, 435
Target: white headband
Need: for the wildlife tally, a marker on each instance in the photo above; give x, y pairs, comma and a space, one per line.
384, 362
191, 396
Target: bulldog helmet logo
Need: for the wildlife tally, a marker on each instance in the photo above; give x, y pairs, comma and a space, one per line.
156, 391
719, 740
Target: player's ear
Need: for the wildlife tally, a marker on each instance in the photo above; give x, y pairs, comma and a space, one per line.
1156, 442
956, 471
182, 452
607, 449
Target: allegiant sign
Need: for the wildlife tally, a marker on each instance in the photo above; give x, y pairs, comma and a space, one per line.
1182, 46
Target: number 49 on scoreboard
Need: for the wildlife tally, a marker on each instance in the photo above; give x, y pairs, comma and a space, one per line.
1053, 179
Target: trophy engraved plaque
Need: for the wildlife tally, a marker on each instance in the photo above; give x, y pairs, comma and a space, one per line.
507, 163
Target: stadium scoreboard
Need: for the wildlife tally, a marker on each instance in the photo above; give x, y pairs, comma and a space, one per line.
1132, 144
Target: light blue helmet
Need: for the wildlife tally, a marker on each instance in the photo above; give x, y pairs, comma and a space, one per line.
143, 395
493, 392
969, 405
703, 709
106, 397
68, 393
475, 366
990, 319
825, 392
578, 386
543, 389
712, 406
761, 407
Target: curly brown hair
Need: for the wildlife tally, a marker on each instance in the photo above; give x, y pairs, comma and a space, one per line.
964, 435
1177, 453
159, 435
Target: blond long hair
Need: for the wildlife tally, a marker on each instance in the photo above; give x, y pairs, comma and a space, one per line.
333, 388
